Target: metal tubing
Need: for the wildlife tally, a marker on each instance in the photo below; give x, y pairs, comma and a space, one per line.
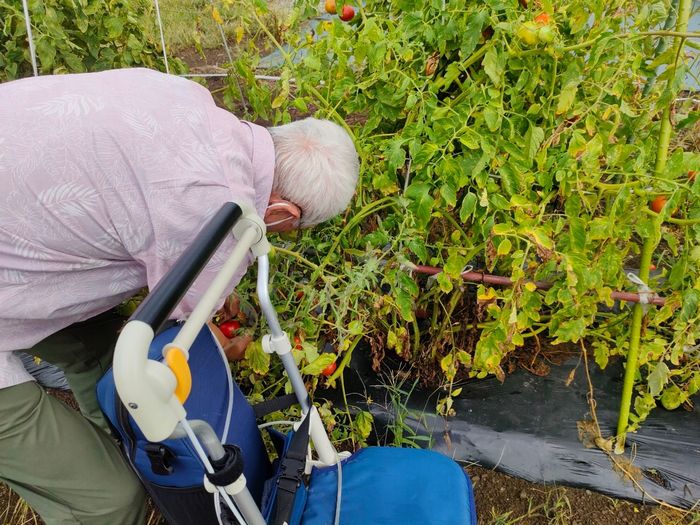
297, 381
271, 316
264, 296
212, 446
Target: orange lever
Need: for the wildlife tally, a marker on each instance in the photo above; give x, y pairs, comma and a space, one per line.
176, 361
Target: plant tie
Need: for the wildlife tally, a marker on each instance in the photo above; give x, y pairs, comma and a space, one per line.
646, 294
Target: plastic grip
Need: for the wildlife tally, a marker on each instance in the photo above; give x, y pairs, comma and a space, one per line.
177, 362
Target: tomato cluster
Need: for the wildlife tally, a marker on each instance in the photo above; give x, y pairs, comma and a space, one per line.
346, 14
537, 31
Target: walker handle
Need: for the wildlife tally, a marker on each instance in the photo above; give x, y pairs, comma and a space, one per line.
152, 391
165, 296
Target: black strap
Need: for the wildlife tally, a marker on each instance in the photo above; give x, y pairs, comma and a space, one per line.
161, 458
273, 405
227, 469
291, 473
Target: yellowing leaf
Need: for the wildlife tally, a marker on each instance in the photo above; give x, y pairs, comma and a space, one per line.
504, 247
566, 98
530, 286
216, 15
486, 295
239, 32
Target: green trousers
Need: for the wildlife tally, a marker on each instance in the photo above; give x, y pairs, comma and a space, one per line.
64, 464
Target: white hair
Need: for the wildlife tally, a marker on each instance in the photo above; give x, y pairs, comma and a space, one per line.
316, 167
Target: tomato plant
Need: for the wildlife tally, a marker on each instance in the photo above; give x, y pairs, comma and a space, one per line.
487, 143
75, 37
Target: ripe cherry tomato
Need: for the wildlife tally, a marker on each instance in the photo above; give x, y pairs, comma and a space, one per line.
330, 7
658, 203
297, 342
229, 328
347, 14
542, 19
328, 371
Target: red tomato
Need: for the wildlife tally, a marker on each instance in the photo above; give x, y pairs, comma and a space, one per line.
229, 328
542, 19
297, 342
347, 14
658, 203
328, 371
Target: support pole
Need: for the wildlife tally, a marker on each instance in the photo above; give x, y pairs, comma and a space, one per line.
30, 37
632, 363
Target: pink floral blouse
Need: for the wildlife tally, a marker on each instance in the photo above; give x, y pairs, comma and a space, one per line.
105, 179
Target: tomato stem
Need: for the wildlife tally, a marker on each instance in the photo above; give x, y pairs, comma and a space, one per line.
649, 245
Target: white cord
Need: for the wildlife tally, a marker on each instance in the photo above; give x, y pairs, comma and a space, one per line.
30, 38
207, 465
227, 423
162, 36
339, 494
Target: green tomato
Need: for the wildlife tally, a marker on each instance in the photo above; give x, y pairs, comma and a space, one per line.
546, 34
527, 33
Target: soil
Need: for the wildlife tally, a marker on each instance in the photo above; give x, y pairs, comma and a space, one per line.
504, 499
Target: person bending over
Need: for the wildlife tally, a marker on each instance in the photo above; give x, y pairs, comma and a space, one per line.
106, 179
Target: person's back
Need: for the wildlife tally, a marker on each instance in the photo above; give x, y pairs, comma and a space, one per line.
105, 177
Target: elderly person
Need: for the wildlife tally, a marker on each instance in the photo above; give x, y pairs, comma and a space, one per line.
106, 179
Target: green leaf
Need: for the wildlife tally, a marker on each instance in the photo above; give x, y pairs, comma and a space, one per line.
571, 330
468, 206
356, 327
492, 117
407, 284
364, 421
417, 246
405, 303
533, 140
601, 353
658, 378
494, 65
114, 26
449, 195
46, 52
422, 202
315, 367
472, 33
504, 247
134, 44
444, 282
672, 397
690, 305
